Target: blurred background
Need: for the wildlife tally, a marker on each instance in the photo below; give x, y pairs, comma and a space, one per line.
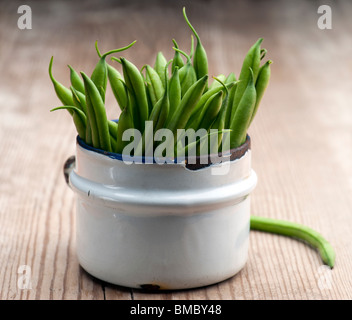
301, 136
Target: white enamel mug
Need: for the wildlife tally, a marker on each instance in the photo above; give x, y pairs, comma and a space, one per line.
167, 226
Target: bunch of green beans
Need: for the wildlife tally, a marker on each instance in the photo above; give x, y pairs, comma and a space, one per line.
173, 94
179, 98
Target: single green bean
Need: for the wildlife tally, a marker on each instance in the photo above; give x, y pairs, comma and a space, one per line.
231, 96
154, 85
113, 133
251, 60
295, 230
192, 47
242, 117
96, 115
113, 142
159, 66
220, 121
165, 102
79, 119
177, 61
79, 100
112, 128
89, 138
116, 84
174, 93
135, 84
63, 93
188, 103
100, 72
261, 84
100, 77
125, 122
76, 80
200, 60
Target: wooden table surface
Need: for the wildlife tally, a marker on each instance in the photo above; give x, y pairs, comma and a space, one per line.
301, 138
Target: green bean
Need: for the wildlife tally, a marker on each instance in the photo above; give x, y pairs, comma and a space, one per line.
116, 84
164, 102
177, 61
89, 138
192, 47
159, 66
154, 85
174, 93
112, 128
200, 60
240, 120
63, 93
125, 122
216, 83
252, 60
79, 99
76, 80
188, 103
100, 77
231, 96
113, 142
136, 87
220, 121
260, 86
79, 119
150, 104
96, 115
298, 231
100, 72
186, 73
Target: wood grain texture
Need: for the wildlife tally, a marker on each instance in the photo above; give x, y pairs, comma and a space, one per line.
301, 137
